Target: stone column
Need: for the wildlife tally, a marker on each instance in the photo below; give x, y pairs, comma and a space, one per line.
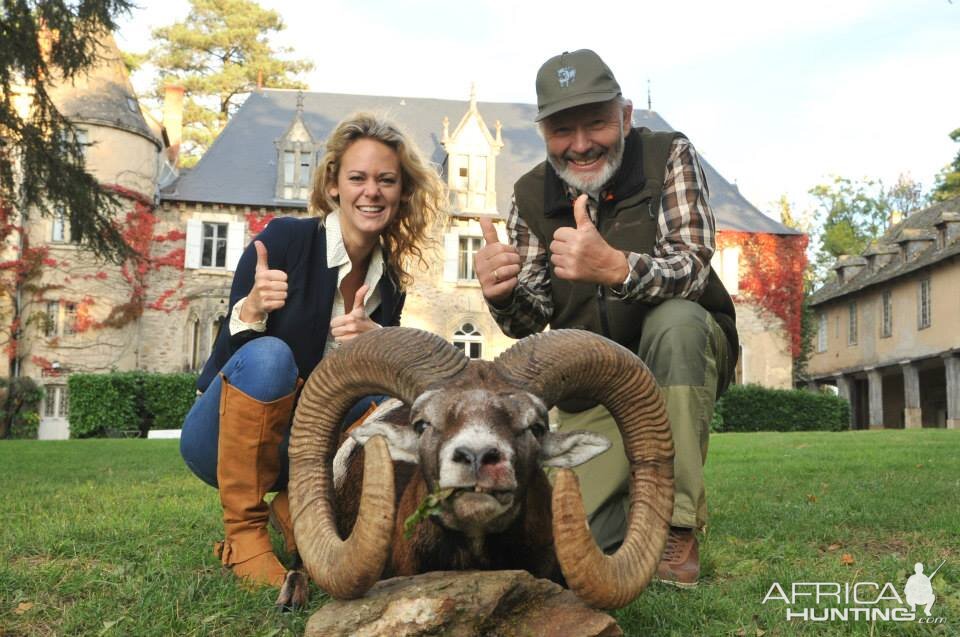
911, 396
952, 364
875, 382
845, 391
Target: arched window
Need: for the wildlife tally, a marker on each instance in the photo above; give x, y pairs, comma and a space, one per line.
215, 329
469, 340
194, 327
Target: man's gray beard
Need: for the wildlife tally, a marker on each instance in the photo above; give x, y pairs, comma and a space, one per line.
593, 185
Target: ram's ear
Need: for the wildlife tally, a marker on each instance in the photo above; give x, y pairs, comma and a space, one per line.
401, 439
558, 449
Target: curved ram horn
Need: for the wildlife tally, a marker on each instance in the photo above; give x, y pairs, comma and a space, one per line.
400, 362
563, 364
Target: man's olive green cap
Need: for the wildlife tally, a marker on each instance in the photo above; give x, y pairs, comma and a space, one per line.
573, 79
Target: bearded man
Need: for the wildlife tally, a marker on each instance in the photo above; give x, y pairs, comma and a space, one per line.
614, 234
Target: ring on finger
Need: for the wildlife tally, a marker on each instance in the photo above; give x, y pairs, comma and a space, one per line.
496, 275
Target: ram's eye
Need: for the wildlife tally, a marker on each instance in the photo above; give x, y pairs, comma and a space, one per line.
538, 429
420, 425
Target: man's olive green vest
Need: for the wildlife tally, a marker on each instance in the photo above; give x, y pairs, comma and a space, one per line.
627, 220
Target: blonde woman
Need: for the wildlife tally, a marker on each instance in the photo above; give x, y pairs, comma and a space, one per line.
301, 288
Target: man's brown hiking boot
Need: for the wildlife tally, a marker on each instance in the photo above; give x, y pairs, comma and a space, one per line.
680, 563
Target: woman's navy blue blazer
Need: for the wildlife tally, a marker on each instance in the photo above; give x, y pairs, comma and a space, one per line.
299, 248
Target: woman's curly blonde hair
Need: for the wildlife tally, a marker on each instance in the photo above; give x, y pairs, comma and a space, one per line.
423, 195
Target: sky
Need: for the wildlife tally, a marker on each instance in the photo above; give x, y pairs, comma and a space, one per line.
779, 97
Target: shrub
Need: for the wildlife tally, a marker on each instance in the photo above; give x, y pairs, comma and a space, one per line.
118, 402
756, 408
19, 400
100, 403
168, 397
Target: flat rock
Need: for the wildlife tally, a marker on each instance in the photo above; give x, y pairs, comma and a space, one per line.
463, 604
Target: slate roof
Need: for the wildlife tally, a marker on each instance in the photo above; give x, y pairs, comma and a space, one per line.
240, 167
919, 225
103, 95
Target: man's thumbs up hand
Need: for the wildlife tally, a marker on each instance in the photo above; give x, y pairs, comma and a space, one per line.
496, 265
489, 231
580, 214
582, 254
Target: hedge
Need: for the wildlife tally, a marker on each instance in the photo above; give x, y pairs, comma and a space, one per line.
756, 408
123, 402
168, 398
19, 403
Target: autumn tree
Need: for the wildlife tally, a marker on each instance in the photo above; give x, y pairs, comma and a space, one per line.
854, 213
43, 42
218, 53
947, 185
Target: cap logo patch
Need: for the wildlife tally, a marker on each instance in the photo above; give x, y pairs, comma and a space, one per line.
566, 76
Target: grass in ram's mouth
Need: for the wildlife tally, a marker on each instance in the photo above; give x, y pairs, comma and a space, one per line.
114, 537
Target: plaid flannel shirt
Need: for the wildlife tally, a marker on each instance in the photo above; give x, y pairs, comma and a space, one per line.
678, 267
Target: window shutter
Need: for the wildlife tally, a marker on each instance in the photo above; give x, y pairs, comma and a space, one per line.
451, 256
236, 232
194, 244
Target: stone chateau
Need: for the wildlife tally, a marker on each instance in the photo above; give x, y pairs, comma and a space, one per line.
84, 316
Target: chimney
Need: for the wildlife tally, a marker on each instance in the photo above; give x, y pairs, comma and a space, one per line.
173, 121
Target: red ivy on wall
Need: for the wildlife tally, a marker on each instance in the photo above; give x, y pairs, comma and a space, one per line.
138, 232
137, 227
18, 272
771, 275
256, 223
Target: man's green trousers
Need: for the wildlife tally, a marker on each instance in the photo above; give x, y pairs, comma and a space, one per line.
687, 353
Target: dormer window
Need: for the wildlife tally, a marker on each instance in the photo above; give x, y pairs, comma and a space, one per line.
297, 173
471, 163
297, 155
305, 170
289, 167
469, 188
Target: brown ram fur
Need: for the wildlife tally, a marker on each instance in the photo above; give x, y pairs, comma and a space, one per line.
526, 543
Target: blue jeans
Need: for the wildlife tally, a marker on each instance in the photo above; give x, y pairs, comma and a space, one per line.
263, 369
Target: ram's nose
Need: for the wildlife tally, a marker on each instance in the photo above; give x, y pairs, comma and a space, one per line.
477, 459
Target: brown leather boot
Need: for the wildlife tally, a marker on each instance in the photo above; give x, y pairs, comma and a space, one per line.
248, 464
680, 563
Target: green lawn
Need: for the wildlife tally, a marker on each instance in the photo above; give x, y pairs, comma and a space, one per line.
113, 537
